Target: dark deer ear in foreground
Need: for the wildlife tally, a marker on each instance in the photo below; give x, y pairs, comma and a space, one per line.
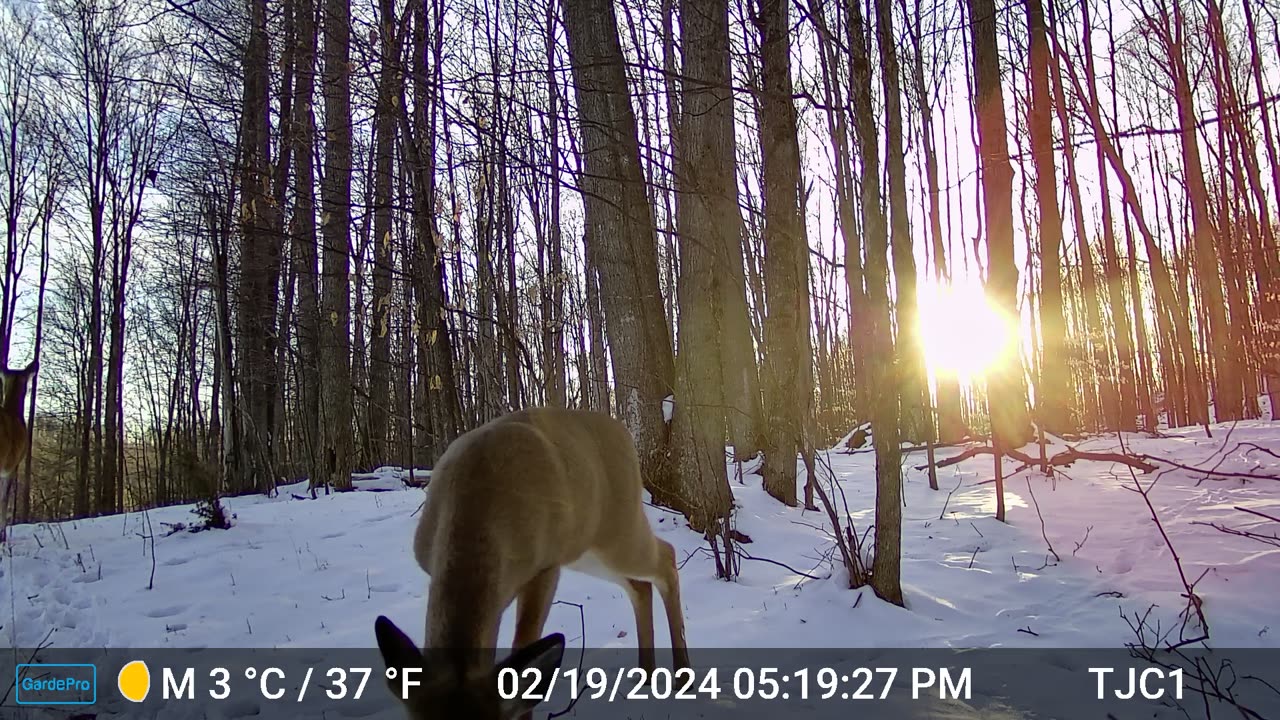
544, 656
397, 649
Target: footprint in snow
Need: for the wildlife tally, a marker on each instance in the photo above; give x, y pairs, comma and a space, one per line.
165, 611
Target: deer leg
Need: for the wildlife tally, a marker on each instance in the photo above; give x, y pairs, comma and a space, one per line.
641, 594
533, 605
667, 580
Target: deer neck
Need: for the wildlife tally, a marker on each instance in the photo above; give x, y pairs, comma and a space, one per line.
463, 615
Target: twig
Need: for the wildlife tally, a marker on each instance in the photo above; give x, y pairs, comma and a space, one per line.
1193, 600
582, 619
1082, 541
1272, 518
948, 500
1209, 472
1259, 448
850, 556
1266, 539
1043, 533
39, 646
748, 556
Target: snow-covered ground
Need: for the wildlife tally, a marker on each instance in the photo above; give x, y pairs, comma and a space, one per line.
297, 572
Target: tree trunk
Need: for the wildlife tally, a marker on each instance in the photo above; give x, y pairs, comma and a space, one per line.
305, 258
950, 423
437, 412
621, 238
1095, 380
1225, 379
1054, 408
260, 247
1006, 397
915, 422
886, 567
707, 198
787, 353
389, 80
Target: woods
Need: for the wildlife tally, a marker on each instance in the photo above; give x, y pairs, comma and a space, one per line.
256, 242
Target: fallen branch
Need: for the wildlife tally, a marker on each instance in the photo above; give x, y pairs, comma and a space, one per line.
1070, 455
980, 450
1062, 459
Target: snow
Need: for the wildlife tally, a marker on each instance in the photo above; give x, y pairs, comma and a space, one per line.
299, 572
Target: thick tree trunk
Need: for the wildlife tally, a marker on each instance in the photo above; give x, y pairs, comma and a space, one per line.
553, 320
707, 199
1007, 397
1054, 408
882, 380
390, 80
304, 257
621, 238
335, 226
787, 353
915, 423
436, 408
260, 246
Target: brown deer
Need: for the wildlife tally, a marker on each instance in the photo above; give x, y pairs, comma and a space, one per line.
13, 437
508, 505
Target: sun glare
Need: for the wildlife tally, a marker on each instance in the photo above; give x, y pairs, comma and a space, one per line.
962, 333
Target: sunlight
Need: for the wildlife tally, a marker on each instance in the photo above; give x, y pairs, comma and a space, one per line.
962, 333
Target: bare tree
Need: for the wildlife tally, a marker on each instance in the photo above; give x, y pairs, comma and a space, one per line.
620, 237
787, 356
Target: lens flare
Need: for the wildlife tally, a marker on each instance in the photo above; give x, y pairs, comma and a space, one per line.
963, 334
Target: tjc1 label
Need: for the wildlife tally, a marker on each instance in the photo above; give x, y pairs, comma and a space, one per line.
1150, 684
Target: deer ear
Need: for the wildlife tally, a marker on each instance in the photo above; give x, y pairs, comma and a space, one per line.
398, 650
544, 656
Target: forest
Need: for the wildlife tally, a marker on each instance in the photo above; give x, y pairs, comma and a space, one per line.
253, 242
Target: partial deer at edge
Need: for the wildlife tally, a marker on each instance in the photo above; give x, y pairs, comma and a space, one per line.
14, 439
508, 505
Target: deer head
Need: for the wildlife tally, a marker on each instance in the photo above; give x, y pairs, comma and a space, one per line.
460, 690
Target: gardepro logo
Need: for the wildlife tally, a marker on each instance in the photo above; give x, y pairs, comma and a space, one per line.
56, 684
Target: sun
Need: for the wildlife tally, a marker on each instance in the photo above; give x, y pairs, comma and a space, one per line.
963, 334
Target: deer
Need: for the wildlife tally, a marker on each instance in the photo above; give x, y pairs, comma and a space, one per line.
509, 505
14, 439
